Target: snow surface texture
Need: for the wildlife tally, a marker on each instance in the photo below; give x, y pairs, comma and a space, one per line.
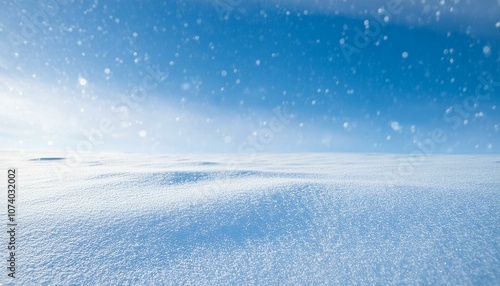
307, 219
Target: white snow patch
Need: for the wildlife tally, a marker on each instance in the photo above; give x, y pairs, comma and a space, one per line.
263, 219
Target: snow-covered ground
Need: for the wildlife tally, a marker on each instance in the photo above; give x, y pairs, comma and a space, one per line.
310, 219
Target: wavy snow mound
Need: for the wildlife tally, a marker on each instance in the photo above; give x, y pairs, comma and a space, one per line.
313, 219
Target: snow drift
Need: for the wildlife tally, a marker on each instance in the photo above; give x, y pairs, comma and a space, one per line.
122, 219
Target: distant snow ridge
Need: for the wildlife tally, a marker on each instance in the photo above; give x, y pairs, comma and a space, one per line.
47, 159
313, 219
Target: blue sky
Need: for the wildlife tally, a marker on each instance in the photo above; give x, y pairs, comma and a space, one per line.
270, 76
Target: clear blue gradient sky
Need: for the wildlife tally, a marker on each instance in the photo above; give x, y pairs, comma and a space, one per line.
278, 76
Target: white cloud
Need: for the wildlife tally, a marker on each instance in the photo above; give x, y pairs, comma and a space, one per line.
470, 15
35, 113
